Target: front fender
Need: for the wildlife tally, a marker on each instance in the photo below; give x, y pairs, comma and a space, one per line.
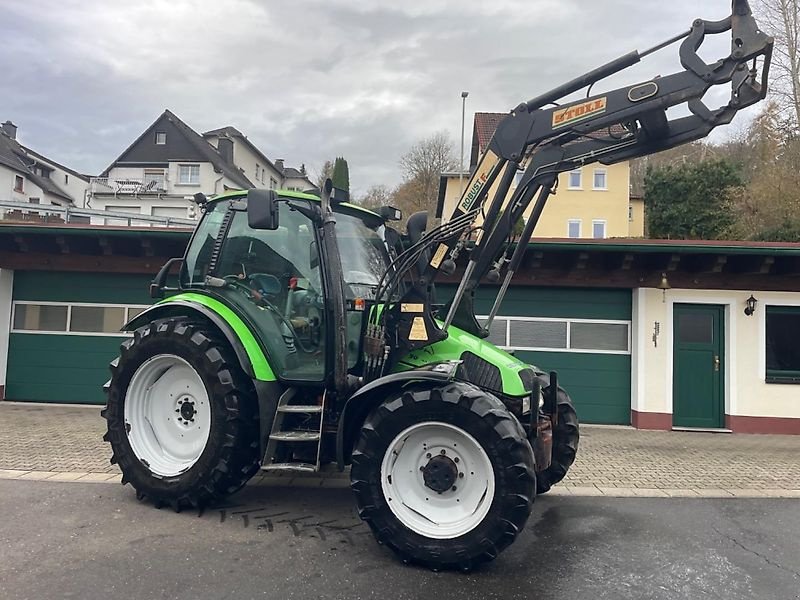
360, 404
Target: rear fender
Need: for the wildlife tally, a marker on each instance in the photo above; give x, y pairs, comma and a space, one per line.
242, 341
360, 404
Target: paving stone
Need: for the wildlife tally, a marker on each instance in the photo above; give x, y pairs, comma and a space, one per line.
68, 440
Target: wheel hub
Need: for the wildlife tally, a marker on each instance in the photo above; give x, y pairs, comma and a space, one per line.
440, 473
187, 409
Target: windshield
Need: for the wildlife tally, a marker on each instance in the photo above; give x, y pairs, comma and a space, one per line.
363, 252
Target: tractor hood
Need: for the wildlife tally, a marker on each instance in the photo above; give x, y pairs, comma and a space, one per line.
482, 363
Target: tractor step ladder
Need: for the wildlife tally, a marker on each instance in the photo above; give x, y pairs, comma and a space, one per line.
279, 435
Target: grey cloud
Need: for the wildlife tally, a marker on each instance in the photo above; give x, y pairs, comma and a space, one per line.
310, 79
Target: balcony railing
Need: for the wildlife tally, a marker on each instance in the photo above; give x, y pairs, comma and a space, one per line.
126, 186
51, 213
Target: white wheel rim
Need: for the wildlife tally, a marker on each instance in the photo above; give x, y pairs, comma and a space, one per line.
425, 511
167, 415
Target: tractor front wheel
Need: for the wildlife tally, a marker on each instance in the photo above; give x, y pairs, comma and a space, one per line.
181, 415
444, 476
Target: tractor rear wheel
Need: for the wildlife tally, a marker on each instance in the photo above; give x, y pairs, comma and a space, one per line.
444, 476
181, 415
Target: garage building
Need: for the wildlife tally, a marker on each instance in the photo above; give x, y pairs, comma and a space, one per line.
647, 333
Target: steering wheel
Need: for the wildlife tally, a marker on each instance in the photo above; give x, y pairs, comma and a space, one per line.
259, 297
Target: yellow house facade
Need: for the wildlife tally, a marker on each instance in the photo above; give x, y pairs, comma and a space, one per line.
591, 202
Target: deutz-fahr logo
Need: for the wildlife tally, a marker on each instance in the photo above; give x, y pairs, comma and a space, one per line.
578, 112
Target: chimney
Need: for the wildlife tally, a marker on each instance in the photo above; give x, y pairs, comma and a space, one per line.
279, 165
225, 148
9, 129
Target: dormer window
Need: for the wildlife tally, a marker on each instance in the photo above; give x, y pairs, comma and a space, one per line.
161, 138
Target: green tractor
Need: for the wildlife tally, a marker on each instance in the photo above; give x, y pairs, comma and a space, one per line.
304, 331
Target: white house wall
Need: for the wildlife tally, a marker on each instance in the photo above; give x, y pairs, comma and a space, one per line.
296, 183
247, 160
748, 398
75, 187
7, 192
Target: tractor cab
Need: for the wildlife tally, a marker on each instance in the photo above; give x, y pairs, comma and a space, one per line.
261, 252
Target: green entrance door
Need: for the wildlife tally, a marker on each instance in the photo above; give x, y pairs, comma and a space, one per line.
698, 366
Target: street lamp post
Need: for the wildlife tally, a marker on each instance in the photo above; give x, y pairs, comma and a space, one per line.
461, 164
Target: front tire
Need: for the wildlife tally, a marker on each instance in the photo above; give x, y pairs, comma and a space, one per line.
444, 476
181, 416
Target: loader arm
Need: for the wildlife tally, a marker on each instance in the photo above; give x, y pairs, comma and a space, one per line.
611, 127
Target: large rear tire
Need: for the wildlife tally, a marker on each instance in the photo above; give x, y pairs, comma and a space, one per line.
566, 436
444, 476
181, 415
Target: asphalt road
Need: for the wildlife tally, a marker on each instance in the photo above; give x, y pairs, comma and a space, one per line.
96, 541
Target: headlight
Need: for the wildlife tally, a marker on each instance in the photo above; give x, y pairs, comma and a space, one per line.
526, 402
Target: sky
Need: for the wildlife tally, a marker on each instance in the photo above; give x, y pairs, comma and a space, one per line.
309, 80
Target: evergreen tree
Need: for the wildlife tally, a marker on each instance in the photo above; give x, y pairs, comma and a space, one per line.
691, 201
341, 174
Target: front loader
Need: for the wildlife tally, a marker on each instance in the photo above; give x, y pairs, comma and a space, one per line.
303, 330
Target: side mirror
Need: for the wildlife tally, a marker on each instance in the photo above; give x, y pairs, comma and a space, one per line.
390, 213
262, 209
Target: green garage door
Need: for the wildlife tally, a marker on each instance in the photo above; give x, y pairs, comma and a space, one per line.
65, 332
584, 334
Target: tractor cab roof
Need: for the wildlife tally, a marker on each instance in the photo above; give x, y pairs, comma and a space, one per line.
300, 196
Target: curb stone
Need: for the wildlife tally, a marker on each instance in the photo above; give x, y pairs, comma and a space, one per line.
341, 483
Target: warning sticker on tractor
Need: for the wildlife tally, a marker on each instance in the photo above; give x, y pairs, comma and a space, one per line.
438, 257
411, 308
419, 333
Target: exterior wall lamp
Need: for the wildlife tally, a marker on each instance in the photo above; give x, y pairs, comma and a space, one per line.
751, 306
664, 286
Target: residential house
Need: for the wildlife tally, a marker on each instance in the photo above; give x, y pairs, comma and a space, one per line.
29, 177
591, 202
237, 149
162, 170
295, 179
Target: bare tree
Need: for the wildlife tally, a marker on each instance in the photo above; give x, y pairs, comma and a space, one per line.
687, 153
326, 172
781, 19
422, 168
768, 206
375, 197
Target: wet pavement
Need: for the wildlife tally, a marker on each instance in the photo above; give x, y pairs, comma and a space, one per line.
90, 541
